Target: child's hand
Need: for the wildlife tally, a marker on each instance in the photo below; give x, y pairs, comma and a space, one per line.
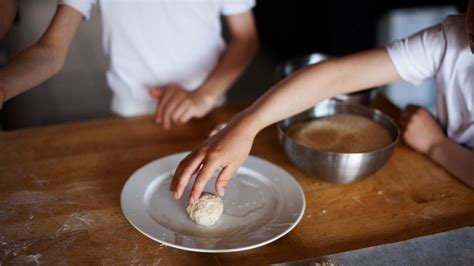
420, 129
177, 106
227, 150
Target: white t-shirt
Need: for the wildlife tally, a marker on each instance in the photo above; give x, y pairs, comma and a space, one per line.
442, 52
158, 42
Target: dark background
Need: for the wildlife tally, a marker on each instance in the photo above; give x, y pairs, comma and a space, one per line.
286, 29
295, 28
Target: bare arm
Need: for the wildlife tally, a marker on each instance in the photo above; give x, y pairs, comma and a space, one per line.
177, 106
45, 58
322, 81
229, 148
242, 48
423, 133
7, 15
455, 158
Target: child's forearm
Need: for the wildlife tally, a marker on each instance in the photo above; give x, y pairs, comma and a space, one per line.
230, 67
36, 64
321, 81
458, 160
240, 51
28, 69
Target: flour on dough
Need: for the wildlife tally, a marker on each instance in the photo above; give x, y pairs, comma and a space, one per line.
207, 210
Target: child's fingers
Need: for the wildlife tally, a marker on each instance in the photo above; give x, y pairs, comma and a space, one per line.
186, 169
407, 113
161, 103
155, 92
170, 107
164, 99
224, 178
206, 172
175, 181
180, 110
187, 115
157, 114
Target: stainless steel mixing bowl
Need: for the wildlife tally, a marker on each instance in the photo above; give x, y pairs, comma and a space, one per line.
331, 166
287, 68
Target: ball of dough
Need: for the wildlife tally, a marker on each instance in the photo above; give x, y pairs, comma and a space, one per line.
206, 210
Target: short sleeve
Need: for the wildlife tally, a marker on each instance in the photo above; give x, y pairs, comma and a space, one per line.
83, 6
418, 57
232, 7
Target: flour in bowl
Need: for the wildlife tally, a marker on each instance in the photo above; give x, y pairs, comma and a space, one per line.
342, 133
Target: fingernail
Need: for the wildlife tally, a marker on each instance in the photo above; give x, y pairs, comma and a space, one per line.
192, 200
176, 196
221, 192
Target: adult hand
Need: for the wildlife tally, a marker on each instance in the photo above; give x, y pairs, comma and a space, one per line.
177, 106
226, 150
420, 129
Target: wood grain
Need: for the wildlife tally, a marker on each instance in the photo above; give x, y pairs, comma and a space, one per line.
60, 190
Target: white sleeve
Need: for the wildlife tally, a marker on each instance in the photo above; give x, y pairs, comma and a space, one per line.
232, 7
418, 57
83, 6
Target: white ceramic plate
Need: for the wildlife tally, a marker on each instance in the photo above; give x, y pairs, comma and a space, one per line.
262, 203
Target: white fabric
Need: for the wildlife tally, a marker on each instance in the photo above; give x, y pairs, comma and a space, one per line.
442, 52
158, 42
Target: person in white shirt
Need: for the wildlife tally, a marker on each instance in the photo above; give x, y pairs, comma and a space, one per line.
166, 52
444, 52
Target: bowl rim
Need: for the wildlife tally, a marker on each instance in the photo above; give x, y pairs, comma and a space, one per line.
374, 110
302, 60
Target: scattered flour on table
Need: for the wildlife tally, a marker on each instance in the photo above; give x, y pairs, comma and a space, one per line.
12, 248
24, 201
76, 221
28, 259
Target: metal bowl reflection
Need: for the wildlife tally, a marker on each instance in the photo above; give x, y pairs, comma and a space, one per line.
331, 166
289, 67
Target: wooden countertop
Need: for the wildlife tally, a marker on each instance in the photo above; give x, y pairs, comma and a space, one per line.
60, 197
